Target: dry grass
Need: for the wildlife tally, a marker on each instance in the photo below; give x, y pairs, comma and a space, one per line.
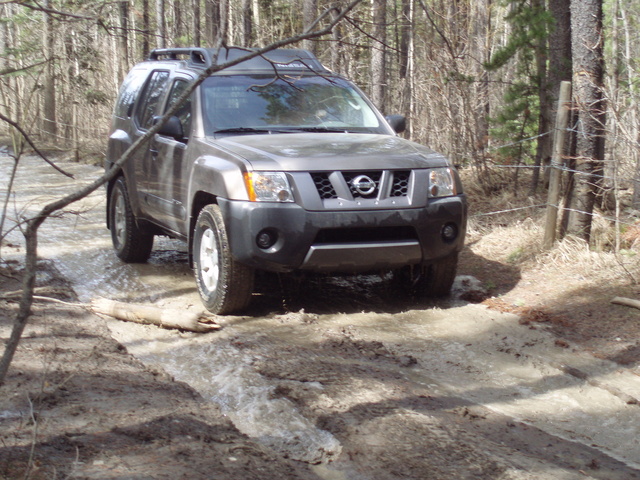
510, 229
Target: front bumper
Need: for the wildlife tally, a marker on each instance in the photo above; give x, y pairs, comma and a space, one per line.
343, 241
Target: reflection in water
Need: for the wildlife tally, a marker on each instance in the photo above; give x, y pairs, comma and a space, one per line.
80, 245
78, 241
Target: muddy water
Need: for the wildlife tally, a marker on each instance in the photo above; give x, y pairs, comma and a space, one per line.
465, 350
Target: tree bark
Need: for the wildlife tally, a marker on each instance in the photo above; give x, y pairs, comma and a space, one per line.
161, 24
49, 122
482, 52
178, 24
146, 28
247, 23
544, 143
123, 60
406, 30
378, 52
560, 63
588, 73
216, 21
309, 14
197, 25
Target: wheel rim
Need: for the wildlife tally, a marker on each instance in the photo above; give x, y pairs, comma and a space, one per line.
119, 219
209, 264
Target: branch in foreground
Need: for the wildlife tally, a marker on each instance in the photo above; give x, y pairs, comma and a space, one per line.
30, 142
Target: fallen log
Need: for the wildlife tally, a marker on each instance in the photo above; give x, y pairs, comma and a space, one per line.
628, 302
164, 317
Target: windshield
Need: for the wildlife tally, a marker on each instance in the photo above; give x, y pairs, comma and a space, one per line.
259, 103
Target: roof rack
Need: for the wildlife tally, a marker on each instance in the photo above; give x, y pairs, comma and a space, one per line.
197, 56
290, 60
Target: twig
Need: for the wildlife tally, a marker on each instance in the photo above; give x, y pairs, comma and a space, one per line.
30, 142
34, 438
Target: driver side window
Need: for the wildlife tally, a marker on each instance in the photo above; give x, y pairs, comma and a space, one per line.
151, 96
184, 112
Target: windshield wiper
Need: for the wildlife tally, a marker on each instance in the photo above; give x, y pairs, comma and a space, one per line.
243, 130
321, 129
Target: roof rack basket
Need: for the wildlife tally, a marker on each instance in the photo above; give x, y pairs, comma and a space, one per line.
200, 57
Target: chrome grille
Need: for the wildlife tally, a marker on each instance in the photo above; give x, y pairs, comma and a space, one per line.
349, 177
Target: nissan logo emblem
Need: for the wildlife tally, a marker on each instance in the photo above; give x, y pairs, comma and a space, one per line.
363, 185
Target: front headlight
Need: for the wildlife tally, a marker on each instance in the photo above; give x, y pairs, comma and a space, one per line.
441, 183
268, 187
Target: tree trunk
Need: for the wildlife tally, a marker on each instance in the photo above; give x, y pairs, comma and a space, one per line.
482, 46
216, 21
49, 123
588, 72
178, 24
247, 23
378, 50
197, 25
634, 115
309, 14
406, 29
560, 63
544, 143
123, 60
146, 28
161, 24
336, 47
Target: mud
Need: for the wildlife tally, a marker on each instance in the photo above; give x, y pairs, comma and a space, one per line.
333, 378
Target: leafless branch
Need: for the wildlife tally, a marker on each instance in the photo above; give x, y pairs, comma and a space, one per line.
30, 142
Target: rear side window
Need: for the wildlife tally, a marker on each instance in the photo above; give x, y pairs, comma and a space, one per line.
128, 93
150, 97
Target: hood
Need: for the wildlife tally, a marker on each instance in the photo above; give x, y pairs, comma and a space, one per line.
330, 151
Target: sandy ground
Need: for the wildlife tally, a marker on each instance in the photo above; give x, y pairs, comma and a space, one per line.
366, 382
77, 404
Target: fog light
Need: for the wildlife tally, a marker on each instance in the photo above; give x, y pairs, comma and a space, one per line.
449, 232
265, 239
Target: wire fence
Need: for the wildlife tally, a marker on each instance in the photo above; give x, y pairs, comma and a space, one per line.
608, 173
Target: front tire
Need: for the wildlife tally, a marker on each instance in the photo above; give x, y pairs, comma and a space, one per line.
131, 244
225, 286
431, 280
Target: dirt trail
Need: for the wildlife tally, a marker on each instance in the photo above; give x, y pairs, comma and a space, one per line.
326, 378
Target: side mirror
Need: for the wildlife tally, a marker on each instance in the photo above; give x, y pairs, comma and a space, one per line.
397, 122
173, 128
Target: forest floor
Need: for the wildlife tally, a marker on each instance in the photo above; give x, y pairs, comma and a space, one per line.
76, 404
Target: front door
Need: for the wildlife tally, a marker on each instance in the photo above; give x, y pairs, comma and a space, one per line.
166, 175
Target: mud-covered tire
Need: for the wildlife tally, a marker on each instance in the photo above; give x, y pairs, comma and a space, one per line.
431, 280
225, 286
131, 244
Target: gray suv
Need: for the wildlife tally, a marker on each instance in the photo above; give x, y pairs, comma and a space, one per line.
277, 164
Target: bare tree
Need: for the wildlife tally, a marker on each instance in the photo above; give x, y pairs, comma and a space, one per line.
146, 28
161, 24
49, 92
378, 52
309, 13
588, 74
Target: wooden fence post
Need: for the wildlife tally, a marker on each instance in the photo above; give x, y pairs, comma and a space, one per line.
562, 120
